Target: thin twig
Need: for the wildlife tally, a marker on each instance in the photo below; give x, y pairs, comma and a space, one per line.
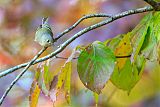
77, 57
80, 20
85, 30
64, 57
123, 56
20, 75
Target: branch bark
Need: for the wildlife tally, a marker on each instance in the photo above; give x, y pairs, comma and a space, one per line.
80, 20
85, 30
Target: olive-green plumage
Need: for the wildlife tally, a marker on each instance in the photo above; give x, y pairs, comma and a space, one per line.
44, 35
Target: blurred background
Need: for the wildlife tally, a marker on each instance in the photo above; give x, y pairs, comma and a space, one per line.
19, 20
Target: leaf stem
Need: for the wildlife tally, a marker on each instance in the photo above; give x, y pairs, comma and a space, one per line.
123, 56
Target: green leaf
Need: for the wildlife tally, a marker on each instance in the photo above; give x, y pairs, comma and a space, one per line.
143, 40
95, 66
158, 50
137, 39
149, 48
46, 75
127, 77
139, 35
112, 43
47, 78
145, 37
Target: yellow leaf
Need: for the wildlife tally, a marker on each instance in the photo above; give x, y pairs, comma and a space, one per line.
67, 84
124, 48
62, 75
34, 94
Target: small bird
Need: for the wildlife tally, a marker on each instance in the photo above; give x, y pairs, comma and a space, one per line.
44, 35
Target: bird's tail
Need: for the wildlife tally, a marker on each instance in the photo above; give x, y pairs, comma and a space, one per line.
45, 23
45, 20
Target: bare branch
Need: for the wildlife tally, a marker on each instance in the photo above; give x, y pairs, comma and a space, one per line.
154, 4
20, 75
80, 20
85, 30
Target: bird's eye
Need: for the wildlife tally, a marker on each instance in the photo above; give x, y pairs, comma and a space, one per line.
48, 41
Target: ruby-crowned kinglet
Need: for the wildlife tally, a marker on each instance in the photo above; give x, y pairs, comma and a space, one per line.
44, 35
